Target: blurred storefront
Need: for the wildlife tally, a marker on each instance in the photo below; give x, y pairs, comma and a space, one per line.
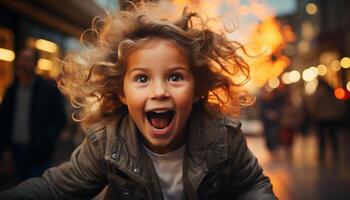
52, 27
320, 52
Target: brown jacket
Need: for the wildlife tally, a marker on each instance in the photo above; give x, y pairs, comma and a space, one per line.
217, 165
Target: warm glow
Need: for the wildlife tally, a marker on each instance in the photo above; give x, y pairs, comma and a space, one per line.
266, 35
267, 50
322, 70
348, 86
45, 45
310, 87
288, 33
294, 76
274, 83
335, 65
270, 39
345, 62
311, 8
7, 55
339, 93
45, 64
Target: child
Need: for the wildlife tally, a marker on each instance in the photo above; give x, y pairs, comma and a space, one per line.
155, 96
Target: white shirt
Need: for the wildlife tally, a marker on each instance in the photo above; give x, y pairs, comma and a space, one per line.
169, 171
21, 122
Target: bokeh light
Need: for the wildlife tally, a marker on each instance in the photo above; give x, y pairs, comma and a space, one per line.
294, 76
45, 64
311, 8
345, 62
310, 87
303, 46
45, 45
7, 55
339, 93
310, 74
274, 83
285, 78
335, 65
322, 70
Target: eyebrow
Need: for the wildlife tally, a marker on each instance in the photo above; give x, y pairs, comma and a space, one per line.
144, 69
138, 69
179, 67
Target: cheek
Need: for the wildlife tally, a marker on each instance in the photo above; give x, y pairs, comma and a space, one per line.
184, 98
134, 99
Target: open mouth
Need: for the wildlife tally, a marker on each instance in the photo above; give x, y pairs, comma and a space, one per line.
160, 119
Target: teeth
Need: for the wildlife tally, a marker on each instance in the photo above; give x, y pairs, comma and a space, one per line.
160, 111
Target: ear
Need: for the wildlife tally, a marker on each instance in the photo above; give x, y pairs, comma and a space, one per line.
122, 98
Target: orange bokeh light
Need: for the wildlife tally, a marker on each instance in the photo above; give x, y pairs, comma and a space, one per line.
339, 93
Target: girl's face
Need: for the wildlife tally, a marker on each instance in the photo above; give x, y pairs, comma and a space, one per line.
159, 93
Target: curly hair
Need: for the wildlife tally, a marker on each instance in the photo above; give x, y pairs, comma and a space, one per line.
93, 78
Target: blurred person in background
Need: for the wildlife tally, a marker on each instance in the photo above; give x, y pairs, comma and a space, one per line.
328, 113
291, 119
31, 117
270, 114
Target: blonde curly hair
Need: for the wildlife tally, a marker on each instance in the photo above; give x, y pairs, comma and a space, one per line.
93, 78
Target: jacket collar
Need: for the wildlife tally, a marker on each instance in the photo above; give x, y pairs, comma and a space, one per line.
206, 139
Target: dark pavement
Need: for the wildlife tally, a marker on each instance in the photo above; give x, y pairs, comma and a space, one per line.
298, 175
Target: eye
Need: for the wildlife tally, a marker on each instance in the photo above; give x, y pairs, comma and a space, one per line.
175, 77
141, 79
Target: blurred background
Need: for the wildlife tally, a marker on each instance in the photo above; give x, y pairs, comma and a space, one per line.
299, 127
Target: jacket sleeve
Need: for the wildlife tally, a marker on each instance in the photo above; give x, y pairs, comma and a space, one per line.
247, 179
83, 177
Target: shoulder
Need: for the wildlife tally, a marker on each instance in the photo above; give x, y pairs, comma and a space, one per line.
227, 129
230, 122
103, 135
97, 137
235, 139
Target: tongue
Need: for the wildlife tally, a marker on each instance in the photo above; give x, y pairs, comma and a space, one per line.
160, 122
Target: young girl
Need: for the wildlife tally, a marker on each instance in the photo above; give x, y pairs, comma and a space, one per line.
155, 96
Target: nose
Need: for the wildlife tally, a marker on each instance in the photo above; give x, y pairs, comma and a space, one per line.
159, 90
